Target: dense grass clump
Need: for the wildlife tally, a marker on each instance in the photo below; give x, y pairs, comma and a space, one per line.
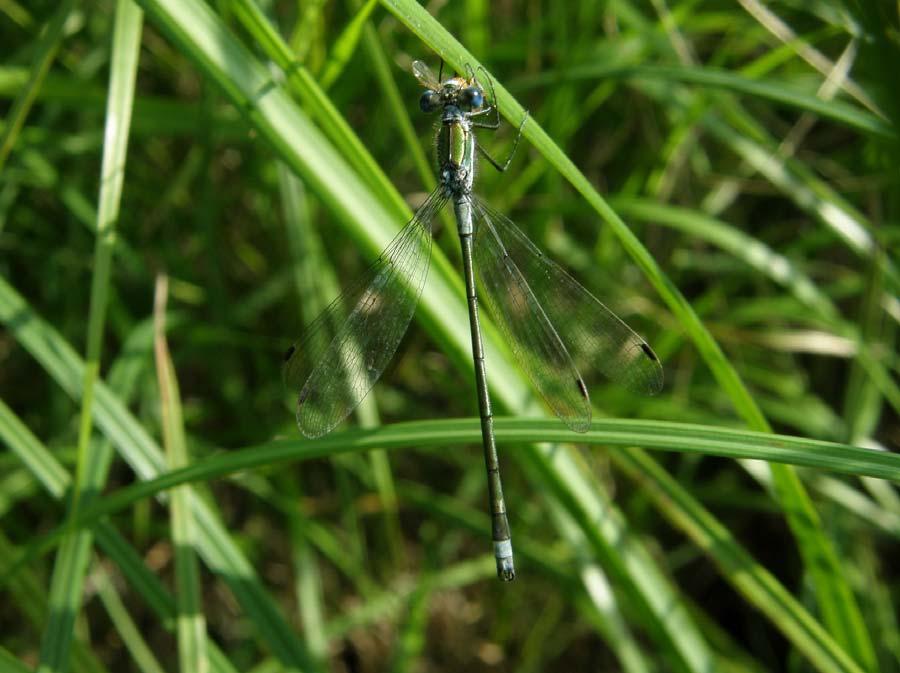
185, 184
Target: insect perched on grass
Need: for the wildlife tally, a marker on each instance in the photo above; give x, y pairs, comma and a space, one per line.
555, 327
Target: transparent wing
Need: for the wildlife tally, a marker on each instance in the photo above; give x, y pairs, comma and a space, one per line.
594, 338
346, 349
528, 329
425, 76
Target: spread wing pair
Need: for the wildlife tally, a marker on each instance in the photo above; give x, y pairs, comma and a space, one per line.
554, 326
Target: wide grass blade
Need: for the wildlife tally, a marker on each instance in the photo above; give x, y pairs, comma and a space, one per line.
758, 586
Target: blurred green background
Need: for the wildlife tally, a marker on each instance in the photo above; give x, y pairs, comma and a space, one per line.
723, 175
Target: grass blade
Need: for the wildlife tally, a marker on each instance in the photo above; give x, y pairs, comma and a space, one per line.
45, 53
192, 657
68, 574
145, 457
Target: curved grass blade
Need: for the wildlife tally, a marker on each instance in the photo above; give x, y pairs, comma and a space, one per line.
144, 456
56, 481
620, 434
783, 92
334, 373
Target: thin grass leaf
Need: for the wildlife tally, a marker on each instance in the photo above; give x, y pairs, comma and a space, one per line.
146, 459
783, 92
751, 579
192, 656
705, 440
44, 56
344, 45
68, 573
128, 631
309, 593
55, 480
303, 85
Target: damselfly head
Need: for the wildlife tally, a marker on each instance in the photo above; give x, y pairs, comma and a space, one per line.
465, 93
456, 91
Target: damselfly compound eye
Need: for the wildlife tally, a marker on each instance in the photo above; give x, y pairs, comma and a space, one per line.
472, 96
430, 100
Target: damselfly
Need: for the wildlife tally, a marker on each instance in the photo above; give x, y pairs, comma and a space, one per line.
557, 330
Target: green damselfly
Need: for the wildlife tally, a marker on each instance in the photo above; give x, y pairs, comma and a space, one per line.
557, 330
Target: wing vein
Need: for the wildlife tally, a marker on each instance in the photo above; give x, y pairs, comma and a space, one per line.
347, 348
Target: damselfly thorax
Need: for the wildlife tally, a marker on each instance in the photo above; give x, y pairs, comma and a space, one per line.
459, 99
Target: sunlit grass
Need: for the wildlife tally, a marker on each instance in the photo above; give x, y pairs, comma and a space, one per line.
723, 176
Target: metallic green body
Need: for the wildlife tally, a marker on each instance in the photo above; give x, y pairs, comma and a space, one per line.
456, 163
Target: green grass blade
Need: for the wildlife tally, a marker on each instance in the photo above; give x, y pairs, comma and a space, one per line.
752, 580
128, 631
44, 55
781, 92
345, 44
10, 664
145, 457
302, 84
659, 435
55, 480
309, 592
192, 656
74, 554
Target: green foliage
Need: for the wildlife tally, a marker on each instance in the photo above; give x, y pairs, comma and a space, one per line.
722, 175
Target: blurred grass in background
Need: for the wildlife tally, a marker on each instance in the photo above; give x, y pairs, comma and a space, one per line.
723, 175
